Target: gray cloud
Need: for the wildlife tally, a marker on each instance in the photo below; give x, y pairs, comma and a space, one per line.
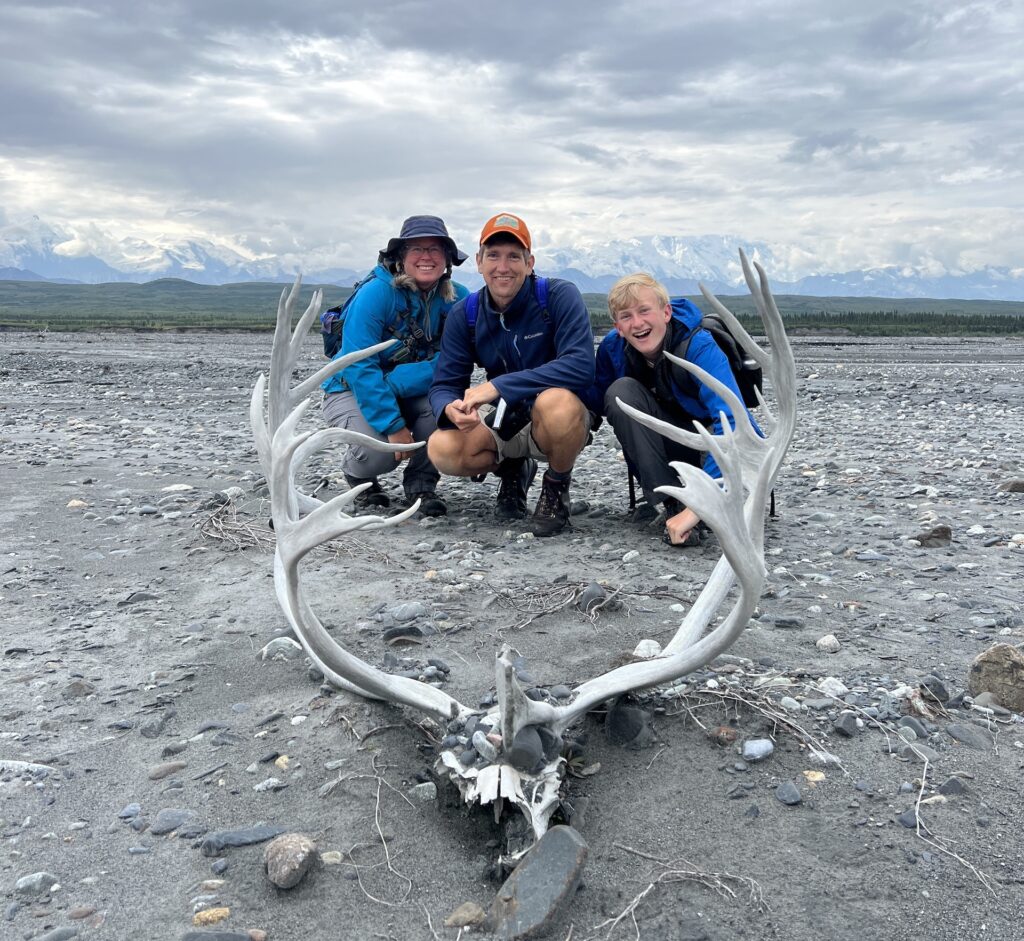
315, 128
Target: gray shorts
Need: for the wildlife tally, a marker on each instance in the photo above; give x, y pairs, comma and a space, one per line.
521, 444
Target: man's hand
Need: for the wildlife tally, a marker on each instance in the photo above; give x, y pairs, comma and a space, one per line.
480, 395
402, 436
680, 526
463, 417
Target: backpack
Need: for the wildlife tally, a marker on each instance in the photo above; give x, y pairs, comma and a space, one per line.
414, 342
744, 368
540, 289
332, 320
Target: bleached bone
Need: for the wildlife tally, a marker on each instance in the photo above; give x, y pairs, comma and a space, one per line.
301, 523
733, 507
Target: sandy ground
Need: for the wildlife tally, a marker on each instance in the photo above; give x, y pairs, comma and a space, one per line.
133, 621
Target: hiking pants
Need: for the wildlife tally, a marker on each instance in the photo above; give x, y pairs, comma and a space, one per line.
420, 476
648, 452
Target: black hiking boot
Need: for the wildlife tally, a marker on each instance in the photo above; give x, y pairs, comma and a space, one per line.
373, 496
552, 513
516, 475
430, 503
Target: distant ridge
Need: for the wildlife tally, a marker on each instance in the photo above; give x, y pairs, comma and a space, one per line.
34, 250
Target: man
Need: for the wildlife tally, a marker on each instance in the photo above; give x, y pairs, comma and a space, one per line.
533, 338
631, 367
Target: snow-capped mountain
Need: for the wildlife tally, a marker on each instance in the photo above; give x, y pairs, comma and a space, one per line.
34, 249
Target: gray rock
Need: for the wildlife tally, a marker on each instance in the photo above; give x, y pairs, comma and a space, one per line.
217, 842
919, 752
1014, 485
169, 819
937, 537
932, 688
592, 595
161, 771
155, 727
281, 648
540, 888
130, 811
909, 722
971, 736
36, 883
951, 787
788, 793
908, 818
425, 792
828, 644
59, 934
409, 611
527, 750
757, 749
288, 858
1000, 671
629, 725
846, 724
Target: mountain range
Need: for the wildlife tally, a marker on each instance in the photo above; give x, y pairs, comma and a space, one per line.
34, 250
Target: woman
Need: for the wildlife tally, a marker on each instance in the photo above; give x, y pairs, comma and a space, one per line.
407, 297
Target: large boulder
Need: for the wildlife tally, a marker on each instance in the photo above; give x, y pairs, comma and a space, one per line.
999, 671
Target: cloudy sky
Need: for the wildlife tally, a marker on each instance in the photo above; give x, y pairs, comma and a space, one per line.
845, 135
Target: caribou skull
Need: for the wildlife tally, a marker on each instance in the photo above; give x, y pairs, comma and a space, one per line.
734, 508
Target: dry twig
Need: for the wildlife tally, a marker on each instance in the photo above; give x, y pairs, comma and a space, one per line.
682, 870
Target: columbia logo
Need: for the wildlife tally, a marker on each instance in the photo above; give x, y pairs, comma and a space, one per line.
533, 336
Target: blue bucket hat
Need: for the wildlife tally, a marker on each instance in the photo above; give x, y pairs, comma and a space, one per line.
425, 227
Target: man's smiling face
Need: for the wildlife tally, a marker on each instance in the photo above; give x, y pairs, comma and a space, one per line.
505, 266
644, 322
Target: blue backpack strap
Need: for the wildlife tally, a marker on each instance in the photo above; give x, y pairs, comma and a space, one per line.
540, 286
472, 308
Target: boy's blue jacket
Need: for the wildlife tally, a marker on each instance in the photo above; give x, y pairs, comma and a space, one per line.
523, 351
616, 358
376, 382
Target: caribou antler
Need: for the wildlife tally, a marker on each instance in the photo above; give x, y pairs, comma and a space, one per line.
301, 523
733, 507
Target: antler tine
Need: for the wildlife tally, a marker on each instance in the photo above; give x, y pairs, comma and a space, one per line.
324, 373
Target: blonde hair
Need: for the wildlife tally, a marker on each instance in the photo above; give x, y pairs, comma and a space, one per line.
627, 288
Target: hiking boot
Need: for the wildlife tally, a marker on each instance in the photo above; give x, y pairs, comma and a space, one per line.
643, 514
373, 496
516, 475
552, 513
430, 503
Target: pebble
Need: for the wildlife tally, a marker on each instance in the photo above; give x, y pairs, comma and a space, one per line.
828, 644
216, 843
971, 735
288, 858
757, 749
788, 793
281, 648
425, 792
169, 819
629, 725
831, 686
159, 772
37, 883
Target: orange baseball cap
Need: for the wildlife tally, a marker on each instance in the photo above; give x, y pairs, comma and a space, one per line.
506, 222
